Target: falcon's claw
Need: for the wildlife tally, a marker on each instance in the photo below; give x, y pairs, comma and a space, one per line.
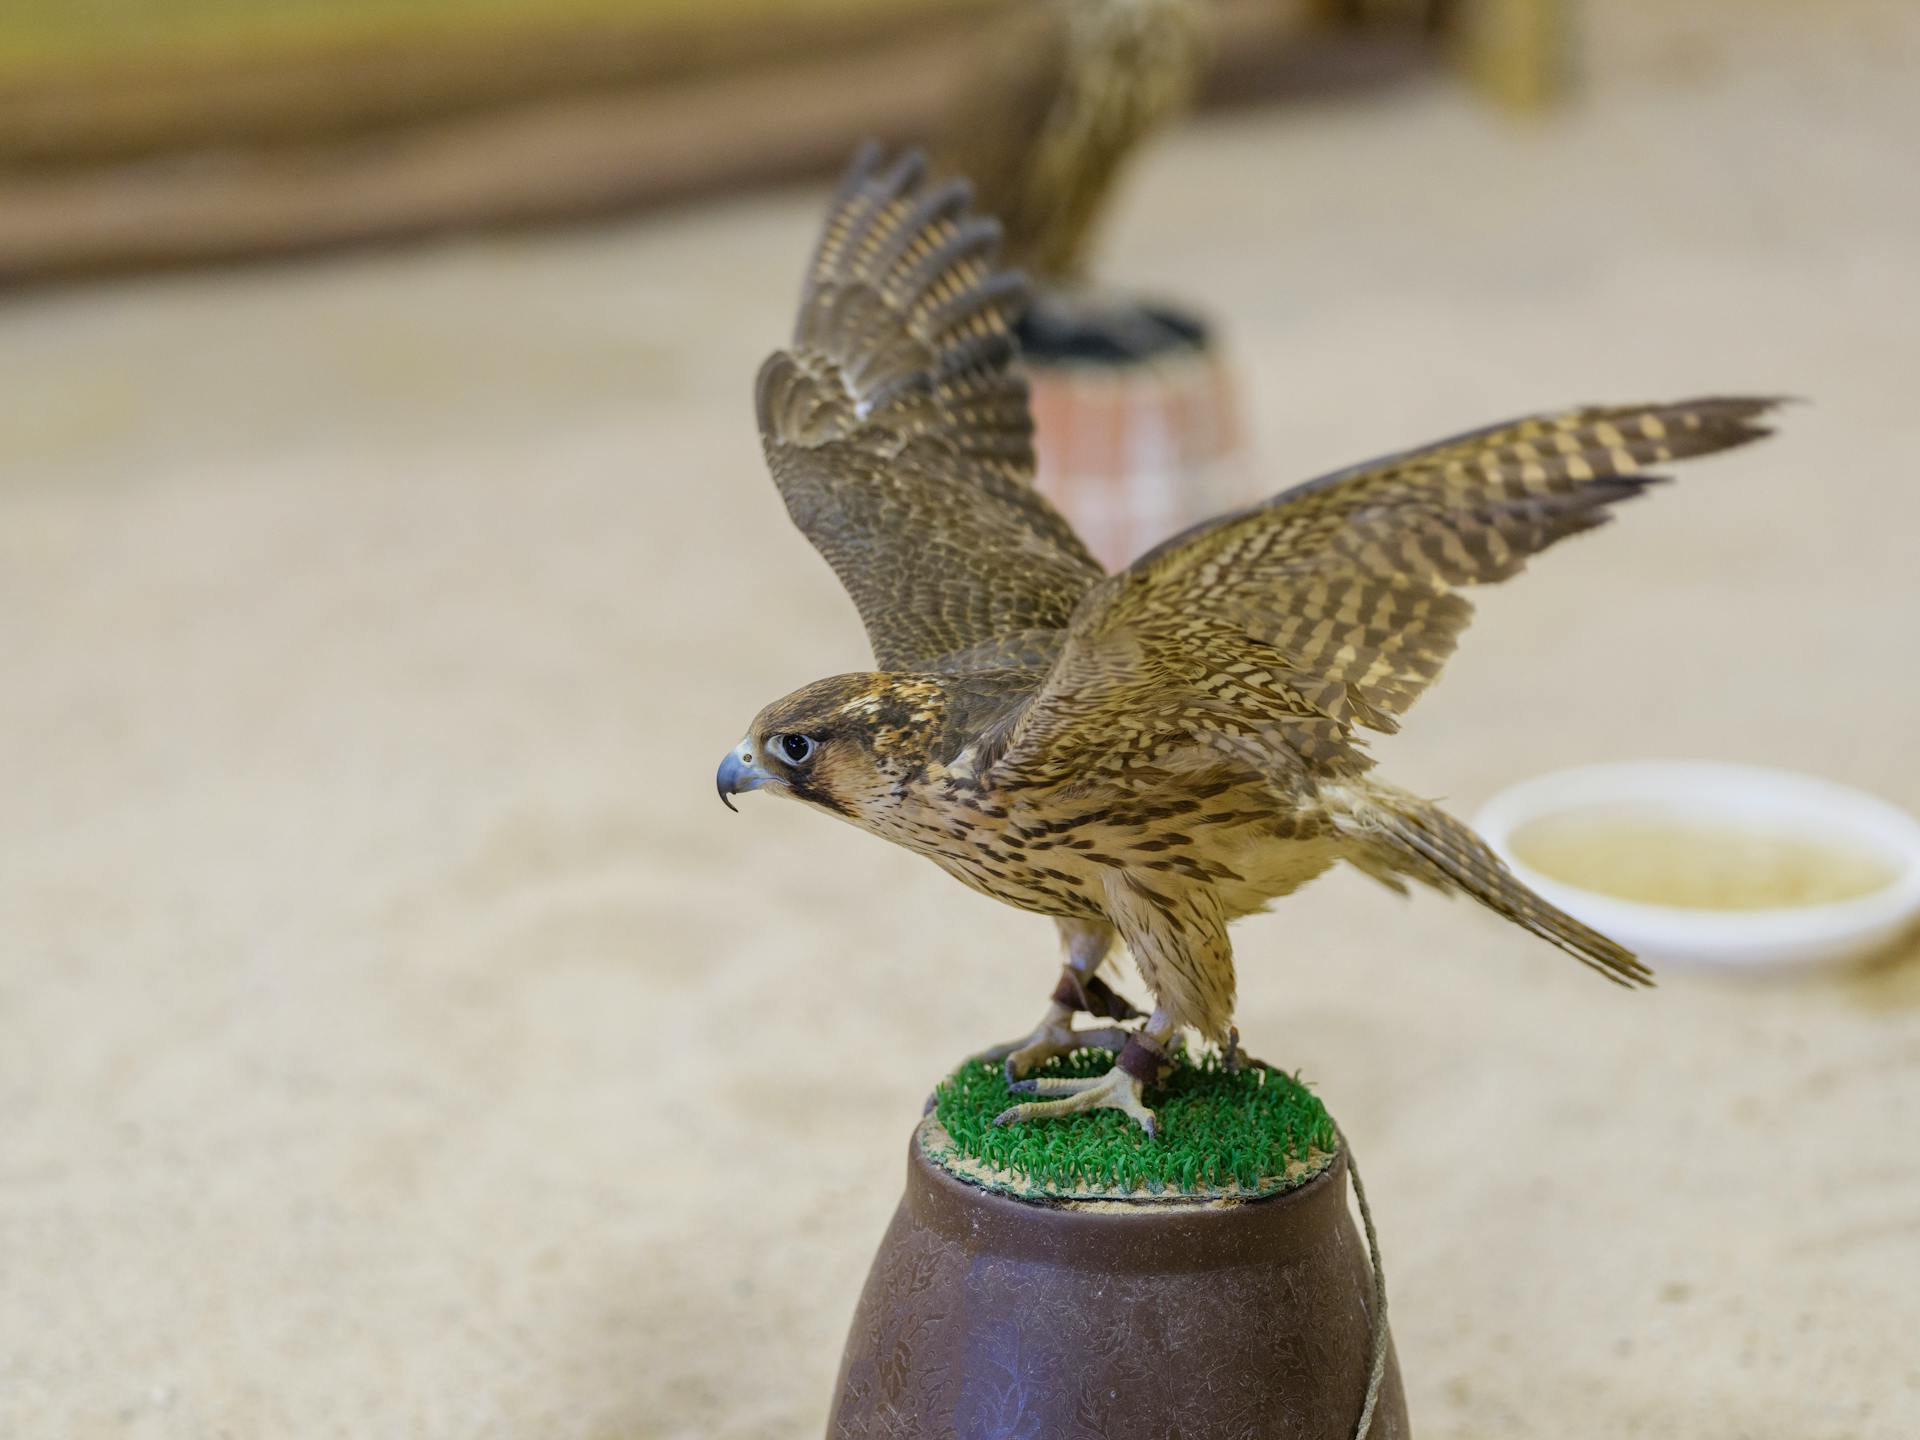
1115, 1090
1049, 1039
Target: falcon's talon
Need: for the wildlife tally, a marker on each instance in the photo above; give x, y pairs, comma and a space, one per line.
1036, 1053
1048, 1040
1115, 1090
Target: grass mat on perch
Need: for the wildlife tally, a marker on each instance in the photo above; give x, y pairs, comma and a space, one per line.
1246, 1132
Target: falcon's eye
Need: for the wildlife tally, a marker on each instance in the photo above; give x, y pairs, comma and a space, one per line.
797, 749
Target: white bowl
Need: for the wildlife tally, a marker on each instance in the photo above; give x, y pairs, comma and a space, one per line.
1700, 792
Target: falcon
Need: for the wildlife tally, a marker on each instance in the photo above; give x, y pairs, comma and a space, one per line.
1068, 92
1147, 756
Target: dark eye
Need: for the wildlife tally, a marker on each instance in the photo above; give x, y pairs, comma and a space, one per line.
797, 748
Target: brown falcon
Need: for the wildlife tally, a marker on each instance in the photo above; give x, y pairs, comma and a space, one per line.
1072, 88
1069, 91
1149, 755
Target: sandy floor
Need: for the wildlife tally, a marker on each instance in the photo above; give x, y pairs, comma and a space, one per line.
396, 1038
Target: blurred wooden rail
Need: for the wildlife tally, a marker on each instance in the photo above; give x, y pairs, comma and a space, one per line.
138, 170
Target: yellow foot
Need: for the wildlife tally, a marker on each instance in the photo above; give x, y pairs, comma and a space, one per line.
1115, 1090
1051, 1038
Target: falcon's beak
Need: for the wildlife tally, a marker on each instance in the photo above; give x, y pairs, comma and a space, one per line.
738, 773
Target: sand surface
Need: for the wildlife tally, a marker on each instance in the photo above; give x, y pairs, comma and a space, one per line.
397, 1038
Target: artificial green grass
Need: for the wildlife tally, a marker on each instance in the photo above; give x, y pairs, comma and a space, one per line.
1254, 1131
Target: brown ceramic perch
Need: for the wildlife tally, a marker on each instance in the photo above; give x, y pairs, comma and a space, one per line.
991, 1318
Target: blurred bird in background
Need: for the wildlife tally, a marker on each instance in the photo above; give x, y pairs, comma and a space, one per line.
1144, 756
1135, 407
1069, 92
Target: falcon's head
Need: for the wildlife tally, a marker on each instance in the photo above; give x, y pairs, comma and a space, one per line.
845, 744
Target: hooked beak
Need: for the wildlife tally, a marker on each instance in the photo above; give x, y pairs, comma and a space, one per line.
738, 773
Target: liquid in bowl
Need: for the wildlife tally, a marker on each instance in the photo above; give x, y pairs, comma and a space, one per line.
1631, 853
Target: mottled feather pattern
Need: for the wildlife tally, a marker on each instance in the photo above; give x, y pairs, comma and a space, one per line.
897, 426
1177, 935
1331, 607
1163, 750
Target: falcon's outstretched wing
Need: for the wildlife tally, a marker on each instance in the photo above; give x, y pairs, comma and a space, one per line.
897, 430
1271, 633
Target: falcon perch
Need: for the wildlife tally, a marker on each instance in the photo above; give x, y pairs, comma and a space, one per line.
1146, 756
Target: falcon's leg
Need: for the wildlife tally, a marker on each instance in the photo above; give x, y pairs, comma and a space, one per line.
1179, 939
1141, 1060
1087, 944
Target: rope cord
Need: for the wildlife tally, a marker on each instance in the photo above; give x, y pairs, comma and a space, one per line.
1377, 1366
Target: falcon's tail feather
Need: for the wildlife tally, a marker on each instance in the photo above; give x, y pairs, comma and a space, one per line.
1402, 835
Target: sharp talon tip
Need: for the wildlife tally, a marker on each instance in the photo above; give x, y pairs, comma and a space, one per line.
1023, 1087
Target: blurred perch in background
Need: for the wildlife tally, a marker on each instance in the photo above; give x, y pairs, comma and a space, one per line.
224, 129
